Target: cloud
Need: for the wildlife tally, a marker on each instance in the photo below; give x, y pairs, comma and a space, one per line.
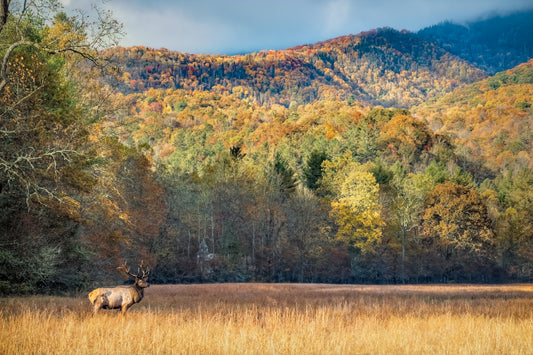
337, 13
169, 26
233, 26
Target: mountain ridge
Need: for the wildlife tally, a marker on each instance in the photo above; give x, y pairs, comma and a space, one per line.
383, 66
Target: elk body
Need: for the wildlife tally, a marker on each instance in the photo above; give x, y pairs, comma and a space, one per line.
122, 297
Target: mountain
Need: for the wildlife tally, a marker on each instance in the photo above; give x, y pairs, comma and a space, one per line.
488, 118
494, 44
380, 67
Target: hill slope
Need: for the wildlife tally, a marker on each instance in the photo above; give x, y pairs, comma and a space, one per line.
491, 121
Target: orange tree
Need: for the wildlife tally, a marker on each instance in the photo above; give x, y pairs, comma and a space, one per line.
456, 234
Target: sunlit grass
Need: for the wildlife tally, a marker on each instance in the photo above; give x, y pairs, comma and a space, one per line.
279, 319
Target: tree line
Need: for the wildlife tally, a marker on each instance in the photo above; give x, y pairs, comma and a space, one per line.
327, 192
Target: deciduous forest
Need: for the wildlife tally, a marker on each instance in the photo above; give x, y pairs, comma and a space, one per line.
382, 157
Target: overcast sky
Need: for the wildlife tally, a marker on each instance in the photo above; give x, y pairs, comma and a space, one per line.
238, 26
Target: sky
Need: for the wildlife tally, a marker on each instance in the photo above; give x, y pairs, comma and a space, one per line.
243, 26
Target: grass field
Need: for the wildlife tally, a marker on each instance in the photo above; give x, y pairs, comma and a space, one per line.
279, 319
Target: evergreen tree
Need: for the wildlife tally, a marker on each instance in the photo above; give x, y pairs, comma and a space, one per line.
313, 169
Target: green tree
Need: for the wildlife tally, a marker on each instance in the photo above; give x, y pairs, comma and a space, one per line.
514, 243
409, 193
282, 177
306, 221
515, 225
313, 168
46, 157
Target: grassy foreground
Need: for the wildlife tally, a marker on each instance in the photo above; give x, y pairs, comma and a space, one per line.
279, 319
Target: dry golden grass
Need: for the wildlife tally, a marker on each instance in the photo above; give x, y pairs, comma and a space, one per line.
279, 319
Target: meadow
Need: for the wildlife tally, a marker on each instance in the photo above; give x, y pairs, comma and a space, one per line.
279, 319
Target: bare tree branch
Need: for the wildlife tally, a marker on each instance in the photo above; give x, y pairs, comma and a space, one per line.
38, 152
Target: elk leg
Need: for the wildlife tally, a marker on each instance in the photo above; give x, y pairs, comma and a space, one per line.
97, 305
124, 309
99, 302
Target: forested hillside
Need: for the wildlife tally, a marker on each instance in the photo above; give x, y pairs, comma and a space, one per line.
379, 67
274, 166
383, 66
256, 166
490, 121
494, 44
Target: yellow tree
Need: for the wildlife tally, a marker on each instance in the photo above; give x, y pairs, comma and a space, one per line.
354, 196
41, 115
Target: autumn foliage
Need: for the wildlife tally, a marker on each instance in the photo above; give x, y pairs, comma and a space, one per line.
277, 166
383, 67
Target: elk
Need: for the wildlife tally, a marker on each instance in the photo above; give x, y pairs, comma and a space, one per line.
121, 296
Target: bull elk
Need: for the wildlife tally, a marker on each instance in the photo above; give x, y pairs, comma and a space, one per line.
121, 296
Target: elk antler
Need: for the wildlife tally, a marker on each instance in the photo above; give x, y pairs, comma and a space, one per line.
145, 270
126, 269
141, 269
